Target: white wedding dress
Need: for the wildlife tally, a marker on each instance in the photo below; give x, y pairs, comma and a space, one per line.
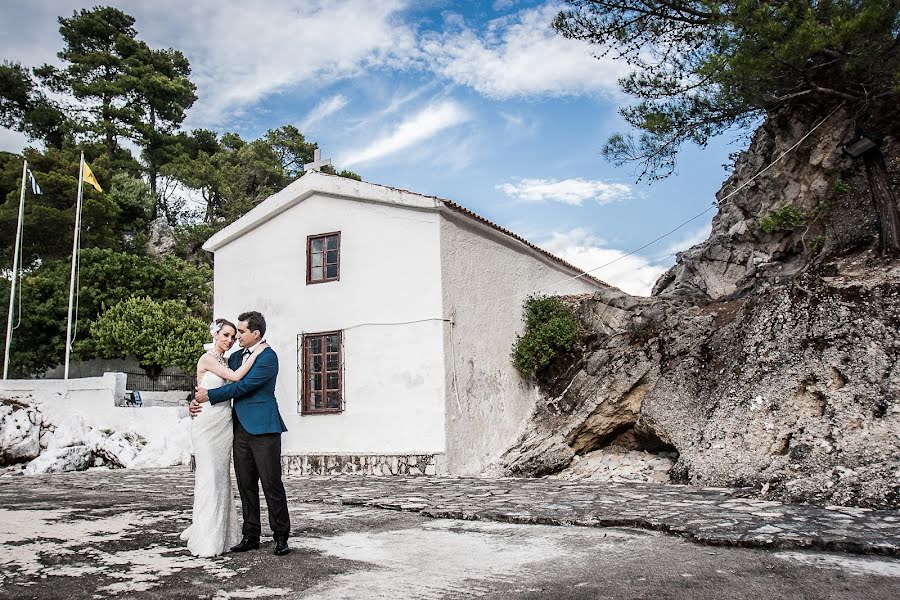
215, 525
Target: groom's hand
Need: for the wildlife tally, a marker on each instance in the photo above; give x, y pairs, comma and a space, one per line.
201, 395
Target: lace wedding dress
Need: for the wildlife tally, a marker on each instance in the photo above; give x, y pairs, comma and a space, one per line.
215, 527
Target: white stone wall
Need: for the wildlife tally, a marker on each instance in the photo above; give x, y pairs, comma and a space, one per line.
93, 399
390, 272
482, 268
360, 464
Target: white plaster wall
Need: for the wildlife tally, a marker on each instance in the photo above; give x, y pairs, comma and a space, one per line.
93, 399
481, 270
177, 399
390, 272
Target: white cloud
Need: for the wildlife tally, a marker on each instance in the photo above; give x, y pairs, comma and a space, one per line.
521, 56
633, 274
567, 191
243, 52
14, 141
518, 126
688, 241
398, 100
323, 109
240, 52
418, 128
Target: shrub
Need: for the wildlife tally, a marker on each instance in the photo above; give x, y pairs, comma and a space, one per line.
159, 334
550, 328
841, 187
783, 219
816, 244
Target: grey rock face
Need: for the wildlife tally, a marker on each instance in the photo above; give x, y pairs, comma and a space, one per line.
613, 464
162, 237
760, 361
117, 450
61, 460
739, 256
795, 393
20, 433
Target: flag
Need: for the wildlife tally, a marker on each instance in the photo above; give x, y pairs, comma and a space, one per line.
89, 178
34, 184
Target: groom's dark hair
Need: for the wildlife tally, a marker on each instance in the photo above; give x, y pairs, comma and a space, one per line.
255, 322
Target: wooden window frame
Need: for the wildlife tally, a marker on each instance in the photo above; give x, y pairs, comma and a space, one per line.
309, 241
306, 393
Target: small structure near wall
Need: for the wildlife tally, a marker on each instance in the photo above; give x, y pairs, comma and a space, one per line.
393, 315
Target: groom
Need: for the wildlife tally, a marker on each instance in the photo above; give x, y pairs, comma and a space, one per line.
257, 435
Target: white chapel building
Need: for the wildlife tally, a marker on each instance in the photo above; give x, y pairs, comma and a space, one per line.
393, 315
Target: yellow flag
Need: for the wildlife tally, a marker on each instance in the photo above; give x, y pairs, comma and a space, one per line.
89, 178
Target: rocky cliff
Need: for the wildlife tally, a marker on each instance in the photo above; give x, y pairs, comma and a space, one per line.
767, 356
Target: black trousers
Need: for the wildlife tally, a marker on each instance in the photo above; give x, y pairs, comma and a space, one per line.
257, 458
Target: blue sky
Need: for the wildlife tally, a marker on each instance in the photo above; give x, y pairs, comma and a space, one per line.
478, 102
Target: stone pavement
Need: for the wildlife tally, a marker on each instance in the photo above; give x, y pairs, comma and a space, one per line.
103, 533
712, 516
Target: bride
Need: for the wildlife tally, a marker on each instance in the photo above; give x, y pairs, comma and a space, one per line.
214, 528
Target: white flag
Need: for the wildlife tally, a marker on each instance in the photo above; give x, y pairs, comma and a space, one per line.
34, 184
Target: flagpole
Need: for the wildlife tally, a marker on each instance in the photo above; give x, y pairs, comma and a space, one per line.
74, 257
15, 271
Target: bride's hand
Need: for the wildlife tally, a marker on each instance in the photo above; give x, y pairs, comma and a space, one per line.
263, 345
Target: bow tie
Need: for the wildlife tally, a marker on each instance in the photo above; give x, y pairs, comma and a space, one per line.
246, 353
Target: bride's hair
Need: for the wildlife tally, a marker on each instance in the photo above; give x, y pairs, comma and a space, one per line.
218, 324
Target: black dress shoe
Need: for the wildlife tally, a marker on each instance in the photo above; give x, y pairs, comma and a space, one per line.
281, 547
246, 544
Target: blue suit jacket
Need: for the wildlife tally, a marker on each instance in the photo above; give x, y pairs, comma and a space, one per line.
254, 395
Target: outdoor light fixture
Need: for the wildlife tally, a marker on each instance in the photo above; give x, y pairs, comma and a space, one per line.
859, 146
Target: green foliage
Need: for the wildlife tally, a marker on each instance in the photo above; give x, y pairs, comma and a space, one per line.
50, 217
107, 278
25, 107
700, 67
97, 46
233, 175
816, 244
342, 173
550, 328
136, 203
840, 187
788, 218
189, 240
822, 207
157, 333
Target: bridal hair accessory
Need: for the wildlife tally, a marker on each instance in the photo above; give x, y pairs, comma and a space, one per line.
214, 327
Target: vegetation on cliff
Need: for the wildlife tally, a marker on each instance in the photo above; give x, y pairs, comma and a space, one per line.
701, 67
550, 330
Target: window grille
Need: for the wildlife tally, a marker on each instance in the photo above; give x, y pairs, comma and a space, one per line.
321, 372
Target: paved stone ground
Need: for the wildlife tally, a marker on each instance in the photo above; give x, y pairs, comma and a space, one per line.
115, 534
714, 516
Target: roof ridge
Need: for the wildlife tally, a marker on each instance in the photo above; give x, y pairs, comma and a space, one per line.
473, 215
459, 208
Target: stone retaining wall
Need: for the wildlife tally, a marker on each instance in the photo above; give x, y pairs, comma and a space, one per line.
362, 464
85, 392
